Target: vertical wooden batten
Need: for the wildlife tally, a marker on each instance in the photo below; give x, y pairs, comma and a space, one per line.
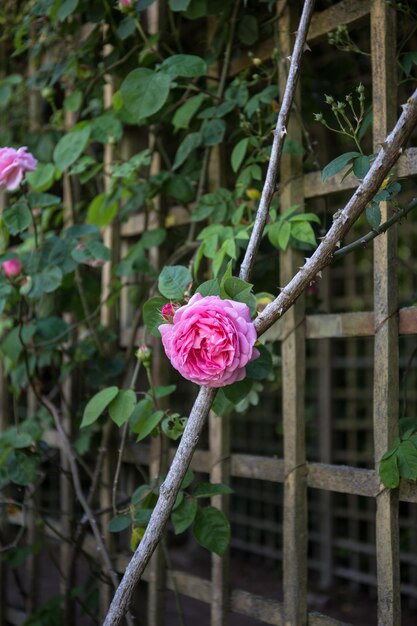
386, 378
293, 370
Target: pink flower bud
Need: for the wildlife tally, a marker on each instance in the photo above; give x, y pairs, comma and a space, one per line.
12, 268
168, 311
13, 166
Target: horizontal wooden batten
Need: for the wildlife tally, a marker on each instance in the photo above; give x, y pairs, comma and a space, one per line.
340, 325
315, 187
268, 610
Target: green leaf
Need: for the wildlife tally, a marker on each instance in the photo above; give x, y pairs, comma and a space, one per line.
73, 101
190, 143
121, 407
238, 391
46, 281
212, 530
239, 290
186, 112
407, 460
106, 128
303, 232
260, 368
17, 217
209, 288
213, 132
152, 314
22, 469
101, 211
338, 164
373, 215
42, 178
173, 281
162, 391
389, 473
173, 426
207, 490
145, 92
185, 65
141, 412
188, 479
238, 153
184, 515
66, 8
119, 523
153, 238
96, 405
23, 440
70, 147
179, 5
147, 423
361, 166
180, 188
247, 30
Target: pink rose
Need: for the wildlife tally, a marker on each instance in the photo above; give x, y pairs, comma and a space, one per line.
210, 340
12, 268
168, 311
13, 166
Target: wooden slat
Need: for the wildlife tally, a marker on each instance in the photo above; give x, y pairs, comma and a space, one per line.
293, 370
314, 186
386, 380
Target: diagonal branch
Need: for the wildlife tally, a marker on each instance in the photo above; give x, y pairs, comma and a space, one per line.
278, 143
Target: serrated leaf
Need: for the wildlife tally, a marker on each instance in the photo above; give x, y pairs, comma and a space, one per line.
97, 404
70, 147
173, 281
184, 65
188, 479
213, 132
144, 92
184, 515
338, 164
303, 232
260, 368
191, 142
152, 314
238, 153
121, 407
284, 235
407, 460
162, 391
373, 215
361, 166
207, 490
186, 112
146, 424
209, 288
119, 523
212, 530
17, 217
389, 473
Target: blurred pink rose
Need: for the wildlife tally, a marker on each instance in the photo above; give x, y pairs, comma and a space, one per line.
168, 311
13, 166
12, 267
210, 340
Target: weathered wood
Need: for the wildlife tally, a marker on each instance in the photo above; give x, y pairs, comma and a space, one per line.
314, 186
293, 377
386, 383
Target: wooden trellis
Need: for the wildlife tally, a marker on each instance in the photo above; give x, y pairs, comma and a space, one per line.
297, 474
384, 324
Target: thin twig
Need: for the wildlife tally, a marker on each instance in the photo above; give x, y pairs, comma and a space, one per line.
278, 143
362, 241
67, 447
